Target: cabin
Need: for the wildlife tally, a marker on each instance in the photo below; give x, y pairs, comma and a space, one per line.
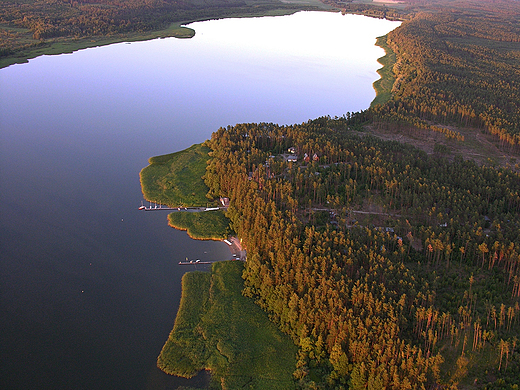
224, 201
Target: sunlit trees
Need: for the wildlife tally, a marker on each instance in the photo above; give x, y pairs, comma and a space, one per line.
371, 305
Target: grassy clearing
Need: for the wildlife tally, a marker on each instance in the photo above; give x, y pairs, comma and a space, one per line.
220, 330
384, 85
207, 225
176, 179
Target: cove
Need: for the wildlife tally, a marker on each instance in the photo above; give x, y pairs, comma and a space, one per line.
89, 286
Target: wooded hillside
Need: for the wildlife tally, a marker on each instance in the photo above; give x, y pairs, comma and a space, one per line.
458, 65
389, 268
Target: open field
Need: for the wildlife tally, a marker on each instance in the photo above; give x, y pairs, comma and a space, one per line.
478, 146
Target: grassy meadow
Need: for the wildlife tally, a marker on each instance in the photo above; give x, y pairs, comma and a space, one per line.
220, 330
176, 179
184, 354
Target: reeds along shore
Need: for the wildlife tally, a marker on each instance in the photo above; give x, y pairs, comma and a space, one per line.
227, 334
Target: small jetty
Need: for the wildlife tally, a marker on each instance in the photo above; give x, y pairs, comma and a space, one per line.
194, 262
158, 207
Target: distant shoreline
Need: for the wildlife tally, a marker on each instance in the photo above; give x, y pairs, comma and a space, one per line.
64, 46
57, 46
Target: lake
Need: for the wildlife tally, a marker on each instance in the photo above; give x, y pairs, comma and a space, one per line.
89, 285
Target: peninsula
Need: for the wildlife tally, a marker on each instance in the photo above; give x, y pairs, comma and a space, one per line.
176, 180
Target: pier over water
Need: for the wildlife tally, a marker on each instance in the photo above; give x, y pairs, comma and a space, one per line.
161, 207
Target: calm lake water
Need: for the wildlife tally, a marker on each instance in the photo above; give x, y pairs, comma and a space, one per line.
89, 286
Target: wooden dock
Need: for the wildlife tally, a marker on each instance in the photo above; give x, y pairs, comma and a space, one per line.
195, 262
160, 207
192, 262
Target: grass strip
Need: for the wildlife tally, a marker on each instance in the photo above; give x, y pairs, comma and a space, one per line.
207, 225
383, 86
184, 353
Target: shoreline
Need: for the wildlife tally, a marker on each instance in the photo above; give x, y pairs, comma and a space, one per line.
179, 29
383, 86
67, 45
232, 241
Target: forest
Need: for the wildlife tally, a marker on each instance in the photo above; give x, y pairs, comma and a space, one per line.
389, 268
458, 66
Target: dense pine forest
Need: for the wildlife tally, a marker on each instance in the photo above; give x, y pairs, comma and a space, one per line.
388, 267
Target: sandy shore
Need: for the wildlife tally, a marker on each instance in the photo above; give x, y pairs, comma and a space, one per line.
236, 248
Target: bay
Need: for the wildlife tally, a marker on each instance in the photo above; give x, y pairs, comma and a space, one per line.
89, 286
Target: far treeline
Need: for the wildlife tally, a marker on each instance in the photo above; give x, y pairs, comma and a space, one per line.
389, 268
28, 26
